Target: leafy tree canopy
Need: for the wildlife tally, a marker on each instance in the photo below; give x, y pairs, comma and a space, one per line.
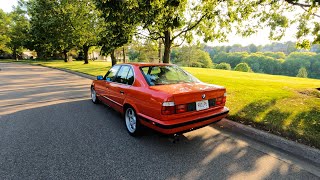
193, 56
19, 29
278, 15
4, 32
172, 21
175, 21
59, 25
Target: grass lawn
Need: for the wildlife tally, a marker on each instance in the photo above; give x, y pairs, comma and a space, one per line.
285, 106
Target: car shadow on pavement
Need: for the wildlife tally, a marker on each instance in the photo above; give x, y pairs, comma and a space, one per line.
80, 140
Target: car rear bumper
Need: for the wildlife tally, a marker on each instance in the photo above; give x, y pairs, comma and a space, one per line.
174, 128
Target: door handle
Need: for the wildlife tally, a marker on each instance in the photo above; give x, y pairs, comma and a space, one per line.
121, 92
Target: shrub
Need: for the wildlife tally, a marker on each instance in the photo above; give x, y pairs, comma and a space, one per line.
244, 67
302, 73
224, 66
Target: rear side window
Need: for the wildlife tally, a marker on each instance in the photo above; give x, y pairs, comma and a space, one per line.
125, 75
130, 77
110, 76
161, 75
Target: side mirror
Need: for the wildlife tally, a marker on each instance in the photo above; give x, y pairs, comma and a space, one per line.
99, 77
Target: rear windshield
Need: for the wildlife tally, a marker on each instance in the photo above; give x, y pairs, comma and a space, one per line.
161, 75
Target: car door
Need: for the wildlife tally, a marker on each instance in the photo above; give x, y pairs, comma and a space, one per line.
103, 86
118, 89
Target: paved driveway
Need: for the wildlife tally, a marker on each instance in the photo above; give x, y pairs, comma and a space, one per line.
49, 129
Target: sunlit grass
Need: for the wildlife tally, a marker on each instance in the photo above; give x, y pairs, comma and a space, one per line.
93, 68
283, 105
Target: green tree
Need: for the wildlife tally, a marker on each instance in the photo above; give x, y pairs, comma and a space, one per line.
275, 55
193, 56
174, 55
244, 67
274, 14
302, 73
204, 59
143, 51
86, 23
4, 31
253, 48
133, 55
232, 58
166, 19
121, 21
50, 30
58, 26
314, 70
214, 50
263, 64
220, 57
295, 61
19, 29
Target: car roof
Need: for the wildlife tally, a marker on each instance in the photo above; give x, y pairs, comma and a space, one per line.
148, 64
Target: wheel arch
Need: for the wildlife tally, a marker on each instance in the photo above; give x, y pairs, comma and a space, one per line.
128, 104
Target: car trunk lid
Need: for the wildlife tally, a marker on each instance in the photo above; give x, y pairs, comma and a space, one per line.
191, 92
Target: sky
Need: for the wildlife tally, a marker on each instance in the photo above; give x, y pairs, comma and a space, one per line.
260, 38
6, 5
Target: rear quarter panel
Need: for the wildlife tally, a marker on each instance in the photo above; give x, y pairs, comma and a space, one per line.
145, 101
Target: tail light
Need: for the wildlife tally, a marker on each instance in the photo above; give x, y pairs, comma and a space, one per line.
168, 108
224, 99
221, 100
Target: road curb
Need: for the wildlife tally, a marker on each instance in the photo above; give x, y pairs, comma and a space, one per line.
294, 148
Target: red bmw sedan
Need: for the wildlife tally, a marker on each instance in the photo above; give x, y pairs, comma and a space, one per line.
162, 97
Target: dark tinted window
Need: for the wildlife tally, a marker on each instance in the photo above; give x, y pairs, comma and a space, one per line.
111, 73
130, 77
125, 75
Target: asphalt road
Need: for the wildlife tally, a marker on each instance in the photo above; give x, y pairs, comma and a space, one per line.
49, 129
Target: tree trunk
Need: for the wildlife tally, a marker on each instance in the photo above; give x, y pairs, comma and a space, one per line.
65, 53
86, 54
124, 55
159, 51
113, 58
15, 55
167, 46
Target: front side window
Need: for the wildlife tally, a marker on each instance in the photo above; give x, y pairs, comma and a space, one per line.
111, 73
161, 75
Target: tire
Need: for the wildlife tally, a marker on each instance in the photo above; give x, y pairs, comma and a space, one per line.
94, 97
132, 123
